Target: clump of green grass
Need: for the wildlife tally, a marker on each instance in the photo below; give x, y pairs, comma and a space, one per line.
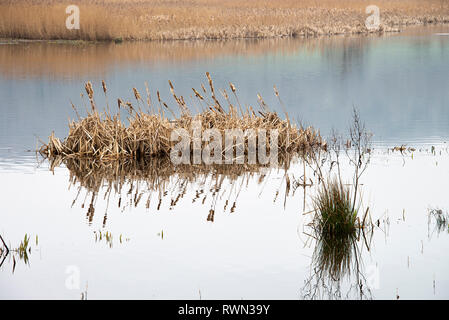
336, 203
337, 229
335, 213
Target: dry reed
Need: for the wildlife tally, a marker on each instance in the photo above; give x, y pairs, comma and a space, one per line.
208, 19
104, 136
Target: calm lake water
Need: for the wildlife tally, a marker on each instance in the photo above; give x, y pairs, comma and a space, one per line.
259, 249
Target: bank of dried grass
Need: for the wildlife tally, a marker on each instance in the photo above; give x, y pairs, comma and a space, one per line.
209, 19
105, 136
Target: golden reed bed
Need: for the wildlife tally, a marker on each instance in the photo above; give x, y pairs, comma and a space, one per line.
149, 127
209, 19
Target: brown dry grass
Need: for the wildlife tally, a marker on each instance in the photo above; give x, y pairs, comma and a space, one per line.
104, 136
208, 19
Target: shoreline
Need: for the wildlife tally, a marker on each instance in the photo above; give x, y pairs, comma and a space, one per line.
398, 30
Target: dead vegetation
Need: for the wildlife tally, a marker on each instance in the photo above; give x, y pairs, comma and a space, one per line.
105, 136
208, 19
127, 153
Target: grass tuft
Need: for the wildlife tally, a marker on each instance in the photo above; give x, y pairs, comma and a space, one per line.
334, 212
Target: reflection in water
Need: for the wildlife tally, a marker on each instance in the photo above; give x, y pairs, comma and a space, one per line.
337, 270
61, 59
57, 60
22, 252
151, 180
347, 53
4, 251
336, 264
108, 238
438, 222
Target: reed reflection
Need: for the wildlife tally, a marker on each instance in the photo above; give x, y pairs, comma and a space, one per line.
337, 269
153, 182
